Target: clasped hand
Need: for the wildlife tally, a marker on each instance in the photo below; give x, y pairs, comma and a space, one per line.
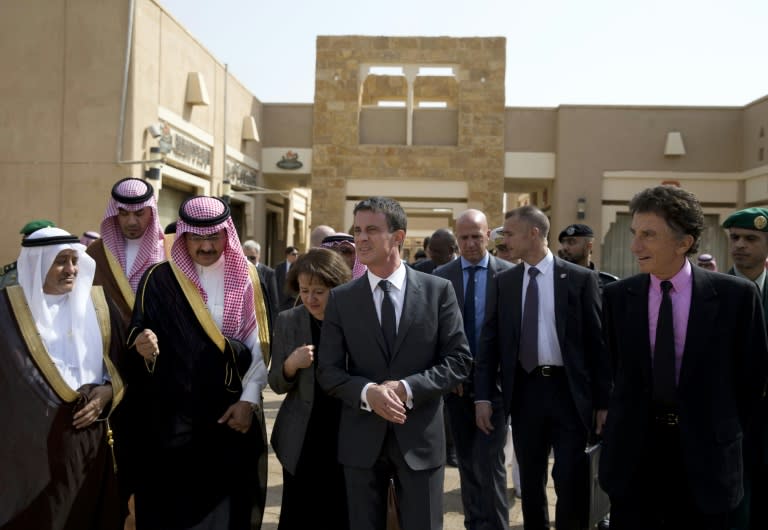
98, 398
388, 400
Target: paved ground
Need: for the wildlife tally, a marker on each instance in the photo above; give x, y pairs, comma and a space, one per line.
454, 517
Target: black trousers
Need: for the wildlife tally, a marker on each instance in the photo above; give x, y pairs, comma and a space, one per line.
660, 497
545, 418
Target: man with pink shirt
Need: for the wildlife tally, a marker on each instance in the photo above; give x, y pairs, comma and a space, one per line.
689, 362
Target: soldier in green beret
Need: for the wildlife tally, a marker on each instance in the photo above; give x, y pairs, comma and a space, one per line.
748, 240
8, 274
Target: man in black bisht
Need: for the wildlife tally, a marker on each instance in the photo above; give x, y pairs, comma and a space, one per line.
199, 328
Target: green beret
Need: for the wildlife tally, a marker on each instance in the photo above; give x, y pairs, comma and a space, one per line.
751, 219
34, 226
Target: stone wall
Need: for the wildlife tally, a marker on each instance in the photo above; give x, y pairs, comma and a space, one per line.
478, 157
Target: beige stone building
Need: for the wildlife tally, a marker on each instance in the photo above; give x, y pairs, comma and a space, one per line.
93, 90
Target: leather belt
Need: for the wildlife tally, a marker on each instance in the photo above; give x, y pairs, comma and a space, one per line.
669, 419
547, 370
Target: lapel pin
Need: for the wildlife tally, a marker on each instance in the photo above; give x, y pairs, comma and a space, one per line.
563, 275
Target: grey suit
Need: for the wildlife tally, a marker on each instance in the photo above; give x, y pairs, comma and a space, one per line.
291, 330
305, 435
480, 456
432, 355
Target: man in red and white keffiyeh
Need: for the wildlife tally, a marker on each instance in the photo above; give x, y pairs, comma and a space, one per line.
196, 328
131, 229
344, 244
216, 262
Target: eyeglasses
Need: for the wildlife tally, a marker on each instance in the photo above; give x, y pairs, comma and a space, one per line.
251, 258
501, 248
294, 253
195, 238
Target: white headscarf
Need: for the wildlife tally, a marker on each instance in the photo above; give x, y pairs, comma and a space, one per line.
67, 323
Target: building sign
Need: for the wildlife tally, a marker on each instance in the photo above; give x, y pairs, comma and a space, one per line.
185, 150
290, 160
241, 175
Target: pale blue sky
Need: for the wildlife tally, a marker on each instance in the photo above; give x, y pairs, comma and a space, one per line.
639, 52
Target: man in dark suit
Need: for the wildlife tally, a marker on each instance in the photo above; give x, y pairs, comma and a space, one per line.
543, 332
442, 249
480, 455
689, 360
748, 238
392, 344
252, 251
286, 297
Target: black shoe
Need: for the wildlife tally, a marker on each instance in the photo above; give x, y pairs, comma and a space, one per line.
451, 460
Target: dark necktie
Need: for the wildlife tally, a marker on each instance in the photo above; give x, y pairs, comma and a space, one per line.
469, 309
664, 352
388, 319
529, 331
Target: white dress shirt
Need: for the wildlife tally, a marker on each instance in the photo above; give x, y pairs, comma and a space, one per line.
397, 293
132, 247
549, 345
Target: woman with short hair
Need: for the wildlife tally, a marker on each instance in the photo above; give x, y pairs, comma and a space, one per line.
305, 435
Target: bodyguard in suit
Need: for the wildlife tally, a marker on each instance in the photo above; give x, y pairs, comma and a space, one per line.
393, 343
286, 297
688, 350
543, 333
480, 455
748, 238
252, 251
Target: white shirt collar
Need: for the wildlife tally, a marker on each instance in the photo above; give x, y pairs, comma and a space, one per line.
544, 266
397, 278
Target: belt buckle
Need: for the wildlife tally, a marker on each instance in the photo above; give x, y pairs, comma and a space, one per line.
669, 418
546, 371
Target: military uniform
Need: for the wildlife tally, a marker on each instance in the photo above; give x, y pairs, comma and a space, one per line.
8, 275
603, 278
582, 230
752, 512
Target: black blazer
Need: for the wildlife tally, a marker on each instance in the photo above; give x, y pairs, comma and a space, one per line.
431, 354
577, 319
286, 298
721, 380
269, 285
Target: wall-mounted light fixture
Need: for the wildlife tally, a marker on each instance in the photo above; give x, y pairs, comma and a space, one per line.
674, 145
581, 208
197, 93
249, 131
